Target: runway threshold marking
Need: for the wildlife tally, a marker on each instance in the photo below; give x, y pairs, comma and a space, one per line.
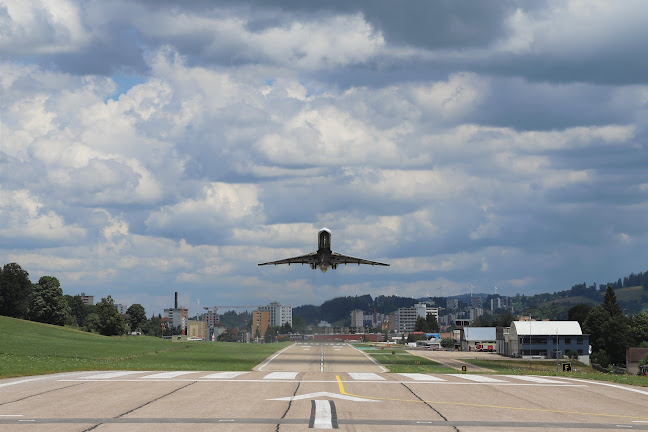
110, 375
224, 375
477, 378
281, 376
165, 375
533, 379
365, 376
344, 392
421, 377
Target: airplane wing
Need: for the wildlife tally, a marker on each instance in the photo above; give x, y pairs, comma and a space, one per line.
337, 258
311, 258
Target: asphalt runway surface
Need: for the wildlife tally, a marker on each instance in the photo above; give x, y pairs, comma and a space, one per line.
315, 386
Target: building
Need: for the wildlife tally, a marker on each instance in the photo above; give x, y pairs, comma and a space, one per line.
277, 315
259, 323
478, 339
175, 317
548, 339
120, 308
87, 299
633, 355
357, 318
196, 329
406, 317
495, 303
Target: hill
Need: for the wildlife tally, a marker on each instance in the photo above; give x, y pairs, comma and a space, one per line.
338, 310
29, 348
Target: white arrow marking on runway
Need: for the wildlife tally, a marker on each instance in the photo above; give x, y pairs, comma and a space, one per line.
323, 394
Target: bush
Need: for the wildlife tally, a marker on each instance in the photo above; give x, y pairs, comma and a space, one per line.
600, 357
644, 360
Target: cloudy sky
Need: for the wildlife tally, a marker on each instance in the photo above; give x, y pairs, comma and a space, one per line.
147, 147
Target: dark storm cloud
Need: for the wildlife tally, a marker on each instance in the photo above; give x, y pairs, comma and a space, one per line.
433, 25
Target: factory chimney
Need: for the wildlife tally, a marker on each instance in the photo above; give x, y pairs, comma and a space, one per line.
176, 299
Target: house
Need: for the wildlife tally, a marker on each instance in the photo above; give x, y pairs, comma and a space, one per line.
548, 339
478, 339
633, 355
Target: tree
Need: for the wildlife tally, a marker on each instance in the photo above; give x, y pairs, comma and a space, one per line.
433, 324
593, 326
609, 330
78, 310
639, 328
285, 328
271, 334
421, 325
15, 289
578, 313
153, 327
447, 343
91, 322
46, 302
610, 302
136, 316
299, 324
504, 319
110, 321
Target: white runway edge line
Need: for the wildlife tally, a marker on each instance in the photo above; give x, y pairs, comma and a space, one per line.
274, 357
373, 360
608, 385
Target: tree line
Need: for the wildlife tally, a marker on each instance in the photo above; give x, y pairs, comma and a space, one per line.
610, 330
44, 302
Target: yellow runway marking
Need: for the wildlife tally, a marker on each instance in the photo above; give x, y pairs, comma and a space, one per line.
341, 386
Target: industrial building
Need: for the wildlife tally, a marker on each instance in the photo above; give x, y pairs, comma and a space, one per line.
547, 339
478, 339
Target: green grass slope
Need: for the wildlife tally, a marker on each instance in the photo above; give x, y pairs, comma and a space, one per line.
28, 348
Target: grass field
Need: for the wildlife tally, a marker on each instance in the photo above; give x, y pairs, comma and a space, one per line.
28, 348
629, 294
404, 362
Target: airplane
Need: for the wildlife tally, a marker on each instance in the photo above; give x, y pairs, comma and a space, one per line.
324, 258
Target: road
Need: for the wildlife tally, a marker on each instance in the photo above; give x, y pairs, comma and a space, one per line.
295, 390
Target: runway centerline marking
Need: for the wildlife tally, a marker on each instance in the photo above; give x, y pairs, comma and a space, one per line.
343, 391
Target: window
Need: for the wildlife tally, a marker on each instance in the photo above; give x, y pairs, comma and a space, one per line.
579, 341
567, 340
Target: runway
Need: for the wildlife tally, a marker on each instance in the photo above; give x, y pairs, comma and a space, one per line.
288, 392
